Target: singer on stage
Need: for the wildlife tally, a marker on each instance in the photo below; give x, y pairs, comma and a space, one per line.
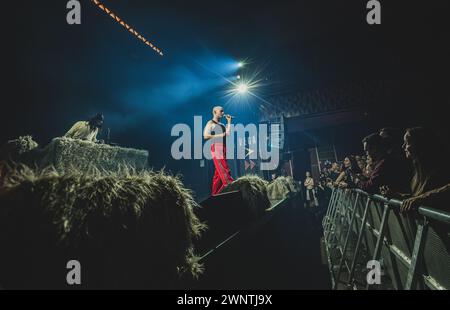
217, 132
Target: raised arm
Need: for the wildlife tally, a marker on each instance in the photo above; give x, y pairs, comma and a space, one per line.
340, 177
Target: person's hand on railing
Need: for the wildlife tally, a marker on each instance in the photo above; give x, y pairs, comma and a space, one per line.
389, 194
402, 196
411, 204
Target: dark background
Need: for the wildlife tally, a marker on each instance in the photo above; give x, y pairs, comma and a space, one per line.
55, 74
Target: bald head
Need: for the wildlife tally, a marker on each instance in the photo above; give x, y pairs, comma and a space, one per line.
217, 113
216, 110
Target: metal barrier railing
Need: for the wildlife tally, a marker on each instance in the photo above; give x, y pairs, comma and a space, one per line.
413, 251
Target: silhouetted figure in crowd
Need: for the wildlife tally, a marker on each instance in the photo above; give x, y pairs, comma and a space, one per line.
325, 176
349, 172
311, 199
393, 137
273, 177
386, 171
361, 161
334, 172
430, 185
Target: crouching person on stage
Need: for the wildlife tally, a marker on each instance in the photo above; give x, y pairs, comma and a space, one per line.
217, 132
86, 130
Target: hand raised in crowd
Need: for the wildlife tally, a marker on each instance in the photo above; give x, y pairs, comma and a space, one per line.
385, 190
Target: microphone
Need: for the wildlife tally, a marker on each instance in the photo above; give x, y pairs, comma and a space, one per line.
228, 115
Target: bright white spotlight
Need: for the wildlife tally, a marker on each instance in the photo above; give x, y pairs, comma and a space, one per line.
238, 77
242, 88
240, 64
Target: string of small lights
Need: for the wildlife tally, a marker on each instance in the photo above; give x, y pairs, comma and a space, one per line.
128, 27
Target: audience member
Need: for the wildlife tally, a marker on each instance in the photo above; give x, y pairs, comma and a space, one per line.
385, 170
430, 185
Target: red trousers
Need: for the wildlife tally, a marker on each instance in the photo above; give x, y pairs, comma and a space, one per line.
222, 175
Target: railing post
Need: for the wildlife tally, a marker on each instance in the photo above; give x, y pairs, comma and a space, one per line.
326, 223
378, 246
326, 219
330, 204
334, 216
341, 216
347, 209
417, 255
344, 249
358, 243
334, 207
335, 219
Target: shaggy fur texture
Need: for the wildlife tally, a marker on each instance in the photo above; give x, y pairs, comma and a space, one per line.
19, 150
281, 187
129, 229
22, 145
66, 153
254, 193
